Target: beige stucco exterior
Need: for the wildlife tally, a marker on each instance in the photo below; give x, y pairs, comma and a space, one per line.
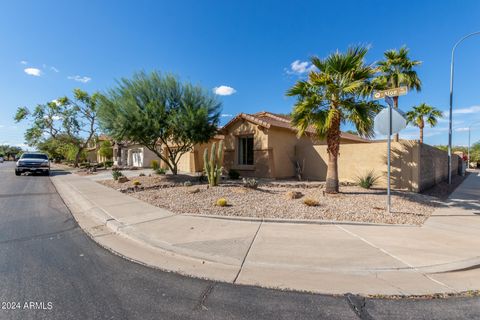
275, 149
414, 166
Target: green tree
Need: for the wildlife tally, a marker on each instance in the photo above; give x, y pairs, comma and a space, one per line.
421, 113
161, 113
106, 149
8, 151
57, 147
337, 93
75, 119
397, 70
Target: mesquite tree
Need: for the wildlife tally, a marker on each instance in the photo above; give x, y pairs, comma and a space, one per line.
161, 113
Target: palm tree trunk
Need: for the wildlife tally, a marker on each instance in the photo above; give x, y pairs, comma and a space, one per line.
395, 106
421, 126
333, 147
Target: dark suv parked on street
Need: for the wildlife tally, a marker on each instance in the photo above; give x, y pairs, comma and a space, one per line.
34, 162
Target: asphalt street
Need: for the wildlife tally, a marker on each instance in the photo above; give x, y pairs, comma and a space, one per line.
50, 269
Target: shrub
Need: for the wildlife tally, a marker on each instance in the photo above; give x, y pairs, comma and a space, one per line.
187, 184
141, 174
311, 202
108, 164
251, 183
161, 171
368, 180
116, 174
136, 183
155, 165
233, 174
290, 195
222, 202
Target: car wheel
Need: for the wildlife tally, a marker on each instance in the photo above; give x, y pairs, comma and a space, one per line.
17, 173
47, 173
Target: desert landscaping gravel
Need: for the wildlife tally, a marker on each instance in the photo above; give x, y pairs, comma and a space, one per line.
352, 204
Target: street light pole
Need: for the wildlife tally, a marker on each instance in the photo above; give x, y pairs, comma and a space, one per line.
451, 105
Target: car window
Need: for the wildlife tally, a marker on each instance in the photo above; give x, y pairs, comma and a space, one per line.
34, 156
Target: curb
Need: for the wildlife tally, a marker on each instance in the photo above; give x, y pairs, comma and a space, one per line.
206, 266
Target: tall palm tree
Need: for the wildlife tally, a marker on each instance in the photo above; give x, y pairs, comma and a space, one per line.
335, 93
397, 70
422, 112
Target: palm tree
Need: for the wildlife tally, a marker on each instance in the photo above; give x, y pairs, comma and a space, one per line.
417, 116
397, 70
335, 93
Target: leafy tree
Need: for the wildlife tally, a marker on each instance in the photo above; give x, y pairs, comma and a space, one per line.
396, 70
160, 112
422, 112
8, 151
337, 93
72, 119
106, 149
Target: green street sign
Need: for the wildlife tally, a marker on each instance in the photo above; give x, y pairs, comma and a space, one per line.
395, 92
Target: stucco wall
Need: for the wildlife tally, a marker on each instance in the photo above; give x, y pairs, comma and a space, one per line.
263, 155
434, 166
414, 167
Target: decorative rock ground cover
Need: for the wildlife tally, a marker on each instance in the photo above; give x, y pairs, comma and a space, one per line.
285, 200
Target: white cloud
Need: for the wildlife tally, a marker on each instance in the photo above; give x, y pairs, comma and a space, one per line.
33, 72
54, 69
461, 129
224, 90
300, 67
472, 109
78, 78
24, 62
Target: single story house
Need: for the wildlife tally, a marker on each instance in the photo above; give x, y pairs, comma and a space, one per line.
265, 145
136, 155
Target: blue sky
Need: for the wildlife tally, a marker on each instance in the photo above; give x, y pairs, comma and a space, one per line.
52, 47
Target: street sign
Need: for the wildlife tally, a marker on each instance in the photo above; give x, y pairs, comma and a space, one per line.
382, 122
395, 92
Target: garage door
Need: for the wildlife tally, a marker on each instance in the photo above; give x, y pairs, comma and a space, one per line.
184, 162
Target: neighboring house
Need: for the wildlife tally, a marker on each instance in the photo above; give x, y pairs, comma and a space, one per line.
265, 145
93, 148
136, 155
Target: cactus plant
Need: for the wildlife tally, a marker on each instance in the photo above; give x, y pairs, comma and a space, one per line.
213, 165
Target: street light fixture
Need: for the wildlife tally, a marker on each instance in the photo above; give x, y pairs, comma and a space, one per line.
469, 130
451, 103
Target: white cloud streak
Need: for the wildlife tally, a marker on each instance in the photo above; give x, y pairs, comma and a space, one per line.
78, 78
469, 110
33, 72
24, 62
224, 90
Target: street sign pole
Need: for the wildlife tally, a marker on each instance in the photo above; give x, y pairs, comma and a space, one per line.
386, 125
389, 156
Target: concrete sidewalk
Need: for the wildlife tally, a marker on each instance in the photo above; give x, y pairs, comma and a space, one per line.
441, 256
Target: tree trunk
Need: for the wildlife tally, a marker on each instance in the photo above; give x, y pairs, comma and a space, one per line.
77, 159
333, 147
421, 126
395, 106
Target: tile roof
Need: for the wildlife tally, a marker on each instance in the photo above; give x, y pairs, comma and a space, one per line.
269, 119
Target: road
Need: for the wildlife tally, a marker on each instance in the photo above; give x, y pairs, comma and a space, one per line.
50, 269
